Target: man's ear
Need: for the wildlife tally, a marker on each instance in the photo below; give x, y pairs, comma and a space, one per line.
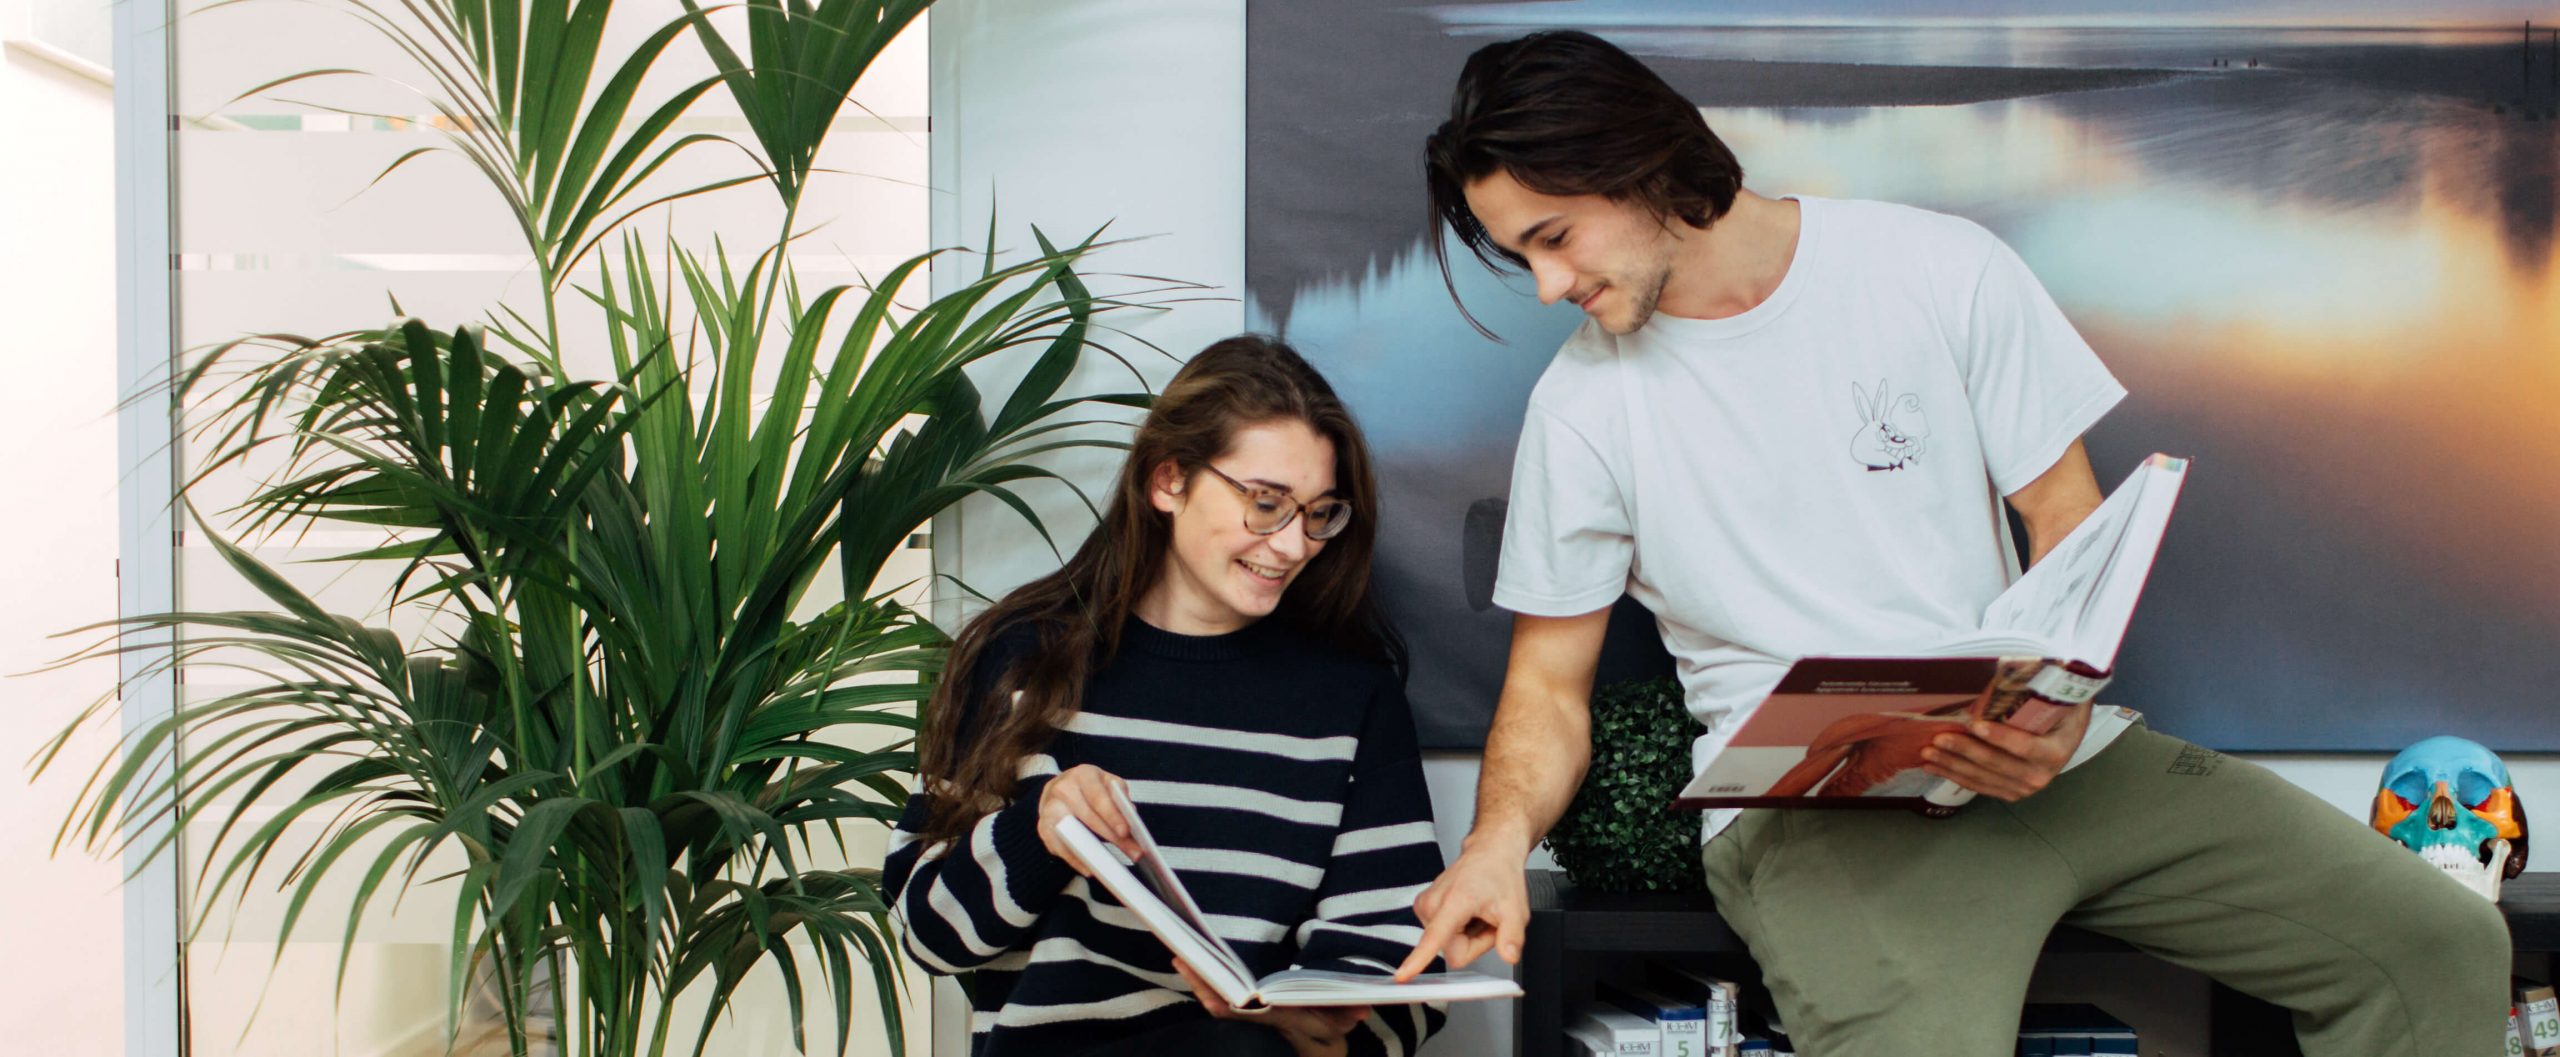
1165, 487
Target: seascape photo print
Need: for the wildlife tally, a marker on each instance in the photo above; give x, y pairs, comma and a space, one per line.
2317, 242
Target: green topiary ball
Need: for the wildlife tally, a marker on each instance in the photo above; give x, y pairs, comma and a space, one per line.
1622, 834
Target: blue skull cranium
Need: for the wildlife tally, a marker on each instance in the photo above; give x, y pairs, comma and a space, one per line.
2451, 801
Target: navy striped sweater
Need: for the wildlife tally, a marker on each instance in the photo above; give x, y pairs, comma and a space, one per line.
1282, 780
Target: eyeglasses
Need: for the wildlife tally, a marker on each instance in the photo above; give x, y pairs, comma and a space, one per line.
1267, 510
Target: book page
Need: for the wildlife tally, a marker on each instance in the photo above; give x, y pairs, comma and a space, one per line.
1990, 643
2109, 611
1187, 935
1159, 877
2081, 596
2047, 601
1324, 987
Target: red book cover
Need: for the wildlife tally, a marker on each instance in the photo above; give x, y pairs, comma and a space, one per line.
1849, 731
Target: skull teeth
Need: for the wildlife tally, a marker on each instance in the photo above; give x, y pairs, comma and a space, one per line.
2448, 856
2462, 866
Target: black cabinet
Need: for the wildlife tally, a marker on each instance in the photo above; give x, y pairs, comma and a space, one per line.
1570, 931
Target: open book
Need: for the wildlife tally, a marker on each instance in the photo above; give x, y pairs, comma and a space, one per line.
1149, 888
1848, 731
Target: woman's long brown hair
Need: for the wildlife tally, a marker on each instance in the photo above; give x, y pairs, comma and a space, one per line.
1078, 611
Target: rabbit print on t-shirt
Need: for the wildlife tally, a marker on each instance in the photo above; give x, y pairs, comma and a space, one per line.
1894, 432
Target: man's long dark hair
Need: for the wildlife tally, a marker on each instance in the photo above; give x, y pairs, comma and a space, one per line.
1078, 611
1567, 113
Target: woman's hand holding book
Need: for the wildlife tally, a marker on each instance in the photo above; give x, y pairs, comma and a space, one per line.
1312, 1031
1085, 793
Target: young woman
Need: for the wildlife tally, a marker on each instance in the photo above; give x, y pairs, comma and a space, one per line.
1213, 650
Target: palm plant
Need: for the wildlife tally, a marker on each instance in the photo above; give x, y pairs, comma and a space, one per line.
621, 740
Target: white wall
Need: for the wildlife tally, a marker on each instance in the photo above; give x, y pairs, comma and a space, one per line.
61, 919
1125, 113
1132, 111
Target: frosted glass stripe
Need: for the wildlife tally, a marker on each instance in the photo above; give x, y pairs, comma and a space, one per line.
404, 123
467, 262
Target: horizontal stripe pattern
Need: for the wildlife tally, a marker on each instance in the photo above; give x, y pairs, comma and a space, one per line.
1233, 928
1281, 782
1189, 862
1117, 1007
1401, 935
1374, 901
1377, 837
1235, 798
1334, 749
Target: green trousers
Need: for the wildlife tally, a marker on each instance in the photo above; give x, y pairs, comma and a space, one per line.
1885, 934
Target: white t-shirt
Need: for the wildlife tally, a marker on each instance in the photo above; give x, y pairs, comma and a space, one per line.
1819, 474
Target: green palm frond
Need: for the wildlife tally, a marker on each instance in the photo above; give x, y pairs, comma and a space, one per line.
799, 67
627, 724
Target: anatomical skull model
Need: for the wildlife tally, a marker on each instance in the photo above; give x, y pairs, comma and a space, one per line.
2450, 800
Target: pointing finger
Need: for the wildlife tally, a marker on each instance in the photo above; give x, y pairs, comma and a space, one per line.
1436, 934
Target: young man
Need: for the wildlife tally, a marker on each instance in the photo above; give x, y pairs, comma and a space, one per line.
1786, 426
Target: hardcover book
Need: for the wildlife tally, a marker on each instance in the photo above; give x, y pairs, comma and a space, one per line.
1150, 889
1848, 731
